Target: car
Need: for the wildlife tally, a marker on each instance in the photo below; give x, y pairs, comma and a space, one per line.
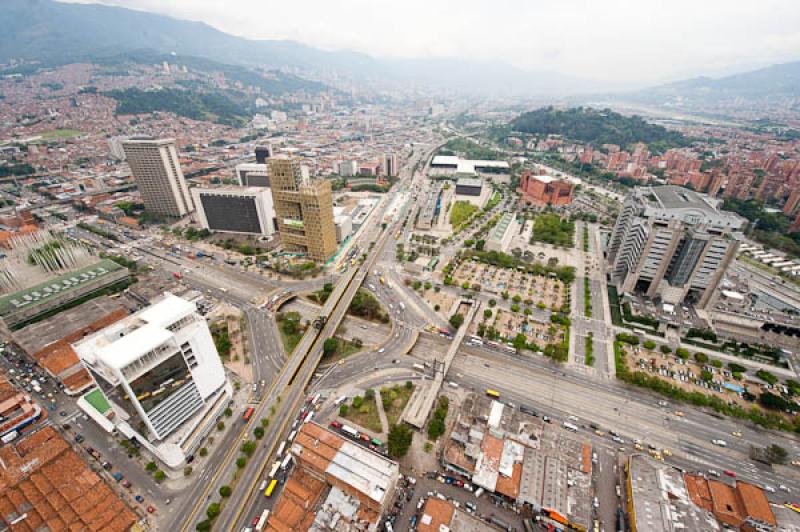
336, 425
595, 503
381, 350
784, 487
796, 463
679, 413
62, 414
126, 483
255, 521
78, 438
736, 433
719, 443
139, 498
364, 437
600, 432
618, 440
638, 446
666, 452
730, 473
713, 472
769, 488
546, 419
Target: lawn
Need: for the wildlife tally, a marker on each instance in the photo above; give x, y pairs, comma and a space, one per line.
552, 229
291, 330
395, 400
460, 212
344, 349
60, 134
365, 414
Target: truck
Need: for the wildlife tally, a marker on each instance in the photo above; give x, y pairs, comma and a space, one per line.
9, 437
419, 367
350, 431
286, 461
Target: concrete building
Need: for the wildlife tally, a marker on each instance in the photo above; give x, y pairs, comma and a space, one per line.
252, 174
348, 168
155, 166
23, 306
304, 210
469, 186
235, 209
438, 515
454, 163
390, 164
344, 224
335, 479
545, 190
673, 244
45, 485
501, 235
160, 378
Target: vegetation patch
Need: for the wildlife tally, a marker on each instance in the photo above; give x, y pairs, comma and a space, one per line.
363, 411
550, 228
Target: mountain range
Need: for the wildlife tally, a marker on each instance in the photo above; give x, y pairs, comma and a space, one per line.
54, 33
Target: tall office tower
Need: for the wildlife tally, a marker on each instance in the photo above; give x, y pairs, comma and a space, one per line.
304, 210
161, 377
263, 153
156, 168
673, 244
390, 164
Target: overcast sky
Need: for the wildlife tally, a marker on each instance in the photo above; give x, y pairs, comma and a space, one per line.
641, 41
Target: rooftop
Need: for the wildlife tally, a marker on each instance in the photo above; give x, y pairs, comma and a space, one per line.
42, 292
44, 485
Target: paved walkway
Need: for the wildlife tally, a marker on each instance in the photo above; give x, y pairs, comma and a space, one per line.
382, 414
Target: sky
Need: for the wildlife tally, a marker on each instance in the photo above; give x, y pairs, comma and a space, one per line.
630, 41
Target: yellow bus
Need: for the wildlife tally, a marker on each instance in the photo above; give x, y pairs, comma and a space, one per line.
492, 393
270, 488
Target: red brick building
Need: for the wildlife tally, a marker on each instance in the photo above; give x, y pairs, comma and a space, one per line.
545, 190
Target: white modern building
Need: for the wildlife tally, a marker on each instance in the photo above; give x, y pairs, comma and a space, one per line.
503, 233
252, 174
235, 209
343, 223
161, 376
348, 168
673, 244
156, 167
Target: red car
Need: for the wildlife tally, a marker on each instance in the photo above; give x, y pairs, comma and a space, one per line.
336, 425
151, 510
364, 437
730, 473
256, 519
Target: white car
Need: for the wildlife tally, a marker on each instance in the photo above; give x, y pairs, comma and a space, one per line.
381, 350
769, 488
784, 487
720, 443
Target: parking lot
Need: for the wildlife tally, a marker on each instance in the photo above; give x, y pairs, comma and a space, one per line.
540, 290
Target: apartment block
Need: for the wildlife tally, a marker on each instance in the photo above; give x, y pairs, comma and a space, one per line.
304, 210
155, 166
673, 244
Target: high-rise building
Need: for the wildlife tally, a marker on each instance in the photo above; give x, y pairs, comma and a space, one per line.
390, 164
160, 378
263, 153
252, 174
156, 168
673, 244
235, 209
304, 210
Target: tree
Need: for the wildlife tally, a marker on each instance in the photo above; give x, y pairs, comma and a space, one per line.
504, 294
225, 491
427, 285
343, 410
776, 454
203, 451
682, 353
159, 476
487, 314
716, 363
330, 346
248, 447
241, 462
766, 376
409, 385
151, 466
649, 344
416, 284
400, 437
737, 368
465, 285
520, 342
369, 394
665, 349
514, 307
258, 433
203, 526
221, 426
517, 298
492, 302
701, 358
706, 375
357, 401
213, 510
228, 412
456, 320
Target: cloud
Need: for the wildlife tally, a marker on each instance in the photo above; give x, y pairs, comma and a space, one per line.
621, 40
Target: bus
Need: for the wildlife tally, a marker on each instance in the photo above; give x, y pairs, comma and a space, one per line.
492, 393
262, 521
281, 448
286, 461
271, 488
248, 413
274, 469
309, 416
